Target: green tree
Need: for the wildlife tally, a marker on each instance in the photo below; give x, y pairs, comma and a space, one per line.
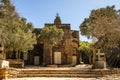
103, 24
15, 32
8, 18
86, 49
50, 36
23, 41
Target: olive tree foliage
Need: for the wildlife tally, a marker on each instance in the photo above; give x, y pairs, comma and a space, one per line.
50, 36
24, 38
7, 19
15, 32
104, 25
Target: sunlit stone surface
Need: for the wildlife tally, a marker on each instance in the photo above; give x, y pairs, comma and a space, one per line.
4, 64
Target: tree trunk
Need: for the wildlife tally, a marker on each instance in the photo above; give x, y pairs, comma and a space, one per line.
93, 55
19, 53
3, 50
17, 56
44, 56
4, 54
90, 61
51, 55
80, 59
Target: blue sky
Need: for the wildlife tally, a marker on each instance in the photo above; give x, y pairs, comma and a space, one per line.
71, 11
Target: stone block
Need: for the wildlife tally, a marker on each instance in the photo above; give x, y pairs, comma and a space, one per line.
100, 64
4, 64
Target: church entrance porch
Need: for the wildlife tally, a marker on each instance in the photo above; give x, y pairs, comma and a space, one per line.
35, 57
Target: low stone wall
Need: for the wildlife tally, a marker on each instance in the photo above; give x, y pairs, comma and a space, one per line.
15, 63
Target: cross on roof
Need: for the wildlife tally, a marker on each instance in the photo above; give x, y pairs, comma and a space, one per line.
57, 14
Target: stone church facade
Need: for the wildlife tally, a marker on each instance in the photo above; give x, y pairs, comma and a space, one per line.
64, 53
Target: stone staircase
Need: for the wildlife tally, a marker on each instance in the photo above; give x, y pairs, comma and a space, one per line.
63, 73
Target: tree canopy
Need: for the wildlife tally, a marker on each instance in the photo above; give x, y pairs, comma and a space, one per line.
103, 24
15, 32
51, 35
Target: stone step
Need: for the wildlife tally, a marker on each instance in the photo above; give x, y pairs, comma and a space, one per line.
58, 75
56, 72
42, 72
